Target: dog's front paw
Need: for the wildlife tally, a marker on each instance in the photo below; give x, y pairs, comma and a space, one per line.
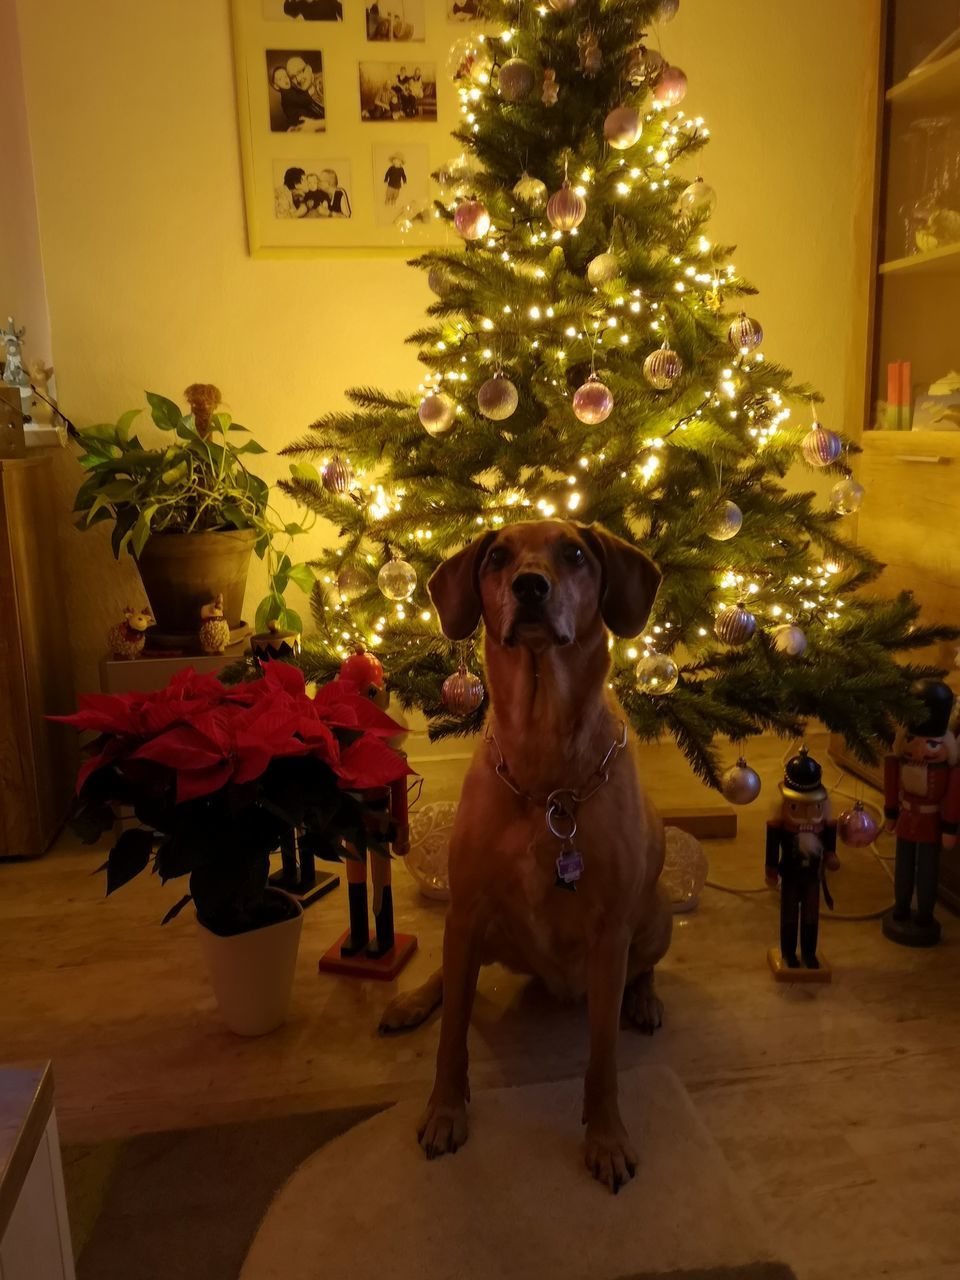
443, 1127
609, 1155
642, 1007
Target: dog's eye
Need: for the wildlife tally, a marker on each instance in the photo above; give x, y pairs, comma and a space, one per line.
497, 557
573, 554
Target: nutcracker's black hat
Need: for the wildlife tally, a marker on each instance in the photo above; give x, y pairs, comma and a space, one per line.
934, 718
803, 778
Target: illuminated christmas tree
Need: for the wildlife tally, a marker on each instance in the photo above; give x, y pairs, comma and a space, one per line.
588, 358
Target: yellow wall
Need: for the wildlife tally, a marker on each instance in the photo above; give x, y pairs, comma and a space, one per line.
132, 115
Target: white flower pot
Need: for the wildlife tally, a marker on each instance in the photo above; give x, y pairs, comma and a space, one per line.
252, 973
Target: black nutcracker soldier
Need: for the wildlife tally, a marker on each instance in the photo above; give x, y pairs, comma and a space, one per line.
801, 846
921, 797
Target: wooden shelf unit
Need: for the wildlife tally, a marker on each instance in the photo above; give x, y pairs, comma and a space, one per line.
931, 88
942, 261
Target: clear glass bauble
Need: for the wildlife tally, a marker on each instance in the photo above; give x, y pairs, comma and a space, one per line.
726, 522
397, 580
437, 414
789, 639
846, 497
698, 197
498, 398
531, 191
657, 674
470, 60
603, 268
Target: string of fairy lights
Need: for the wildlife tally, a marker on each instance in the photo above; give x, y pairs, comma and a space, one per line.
557, 333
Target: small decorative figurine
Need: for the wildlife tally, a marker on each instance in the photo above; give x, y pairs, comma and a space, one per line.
801, 845
214, 628
42, 407
14, 373
591, 59
550, 88
275, 644
128, 638
921, 803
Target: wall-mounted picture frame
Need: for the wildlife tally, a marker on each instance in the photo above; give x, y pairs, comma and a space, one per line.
342, 124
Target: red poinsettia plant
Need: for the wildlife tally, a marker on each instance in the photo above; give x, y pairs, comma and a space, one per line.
218, 776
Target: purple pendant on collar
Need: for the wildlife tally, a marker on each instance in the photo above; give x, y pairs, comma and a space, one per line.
569, 868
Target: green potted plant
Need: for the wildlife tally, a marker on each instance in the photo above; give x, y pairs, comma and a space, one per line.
190, 512
218, 778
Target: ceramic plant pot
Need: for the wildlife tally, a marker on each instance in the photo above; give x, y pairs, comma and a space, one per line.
181, 572
252, 973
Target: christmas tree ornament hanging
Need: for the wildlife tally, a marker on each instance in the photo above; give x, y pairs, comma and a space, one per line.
497, 399
846, 496
565, 209
463, 692
592, 402
671, 87
622, 127
698, 197
531, 191
740, 784
644, 66
744, 334
857, 827
472, 219
437, 413
789, 640
362, 669
397, 580
456, 178
603, 268
439, 281
470, 59
352, 582
725, 522
517, 79
337, 475
735, 625
551, 90
657, 674
821, 447
591, 59
667, 10
662, 368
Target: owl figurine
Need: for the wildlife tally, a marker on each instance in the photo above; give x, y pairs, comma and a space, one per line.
128, 638
214, 628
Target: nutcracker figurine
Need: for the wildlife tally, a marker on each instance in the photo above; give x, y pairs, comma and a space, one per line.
801, 846
921, 798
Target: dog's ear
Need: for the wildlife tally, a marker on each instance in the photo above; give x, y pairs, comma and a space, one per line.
629, 584
455, 589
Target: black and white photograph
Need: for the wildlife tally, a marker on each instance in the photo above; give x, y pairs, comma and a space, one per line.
303, 10
401, 182
463, 10
295, 78
312, 189
396, 21
403, 91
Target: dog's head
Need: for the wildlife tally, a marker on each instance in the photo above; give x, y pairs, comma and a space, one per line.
549, 582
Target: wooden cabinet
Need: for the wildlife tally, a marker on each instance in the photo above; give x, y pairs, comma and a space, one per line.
37, 759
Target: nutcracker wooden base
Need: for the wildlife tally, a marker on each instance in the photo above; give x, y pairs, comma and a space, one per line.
783, 973
384, 967
910, 933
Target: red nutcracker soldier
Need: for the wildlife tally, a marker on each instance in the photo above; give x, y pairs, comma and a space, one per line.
921, 797
801, 845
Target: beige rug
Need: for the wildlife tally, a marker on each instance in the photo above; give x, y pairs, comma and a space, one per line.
516, 1203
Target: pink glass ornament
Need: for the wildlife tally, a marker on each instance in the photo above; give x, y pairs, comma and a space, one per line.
472, 219
565, 209
856, 827
593, 402
671, 87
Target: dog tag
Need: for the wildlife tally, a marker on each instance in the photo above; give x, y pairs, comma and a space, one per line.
569, 869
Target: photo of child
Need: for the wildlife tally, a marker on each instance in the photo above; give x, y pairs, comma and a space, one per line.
296, 91
396, 20
318, 191
401, 180
303, 10
398, 91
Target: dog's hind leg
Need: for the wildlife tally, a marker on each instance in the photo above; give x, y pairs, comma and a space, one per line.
642, 1008
412, 1008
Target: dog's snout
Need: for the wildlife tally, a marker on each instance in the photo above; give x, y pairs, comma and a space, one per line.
531, 588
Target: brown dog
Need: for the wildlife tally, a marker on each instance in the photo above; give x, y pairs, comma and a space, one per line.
554, 746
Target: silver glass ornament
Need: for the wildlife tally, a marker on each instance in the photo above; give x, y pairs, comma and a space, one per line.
846, 496
735, 625
789, 639
725, 522
497, 399
603, 268
745, 334
337, 475
517, 79
397, 580
662, 368
592, 402
657, 674
685, 869
740, 784
566, 209
622, 127
437, 413
531, 191
698, 197
821, 447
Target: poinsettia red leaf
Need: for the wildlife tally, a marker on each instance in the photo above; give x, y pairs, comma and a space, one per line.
368, 762
342, 706
284, 676
193, 783
103, 713
180, 748
112, 749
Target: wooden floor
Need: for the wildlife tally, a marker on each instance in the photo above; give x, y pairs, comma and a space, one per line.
836, 1105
